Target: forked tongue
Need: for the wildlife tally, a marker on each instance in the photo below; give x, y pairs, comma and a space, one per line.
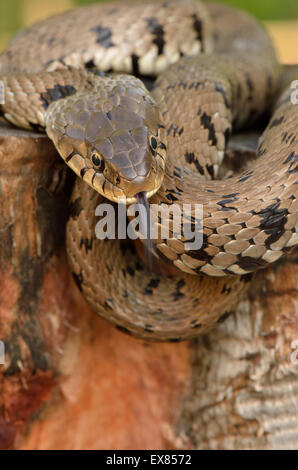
145, 226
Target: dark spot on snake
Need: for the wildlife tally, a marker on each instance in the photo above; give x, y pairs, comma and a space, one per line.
273, 222
261, 151
72, 154
221, 90
83, 171
90, 64
210, 170
170, 87
157, 31
227, 135
231, 195
226, 290
174, 340
36, 127
276, 122
198, 84
292, 159
175, 131
86, 243
56, 93
181, 131
104, 36
200, 255
223, 317
162, 146
170, 129
153, 283
135, 64
177, 172
190, 158
288, 137
272, 216
196, 325
108, 303
207, 124
246, 277
227, 201
117, 180
147, 291
123, 329
148, 328
78, 278
75, 208
244, 178
171, 197
250, 264
197, 25
177, 294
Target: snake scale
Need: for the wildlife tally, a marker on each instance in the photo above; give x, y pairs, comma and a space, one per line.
75, 76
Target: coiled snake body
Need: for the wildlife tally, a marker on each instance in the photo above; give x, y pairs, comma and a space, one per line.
216, 69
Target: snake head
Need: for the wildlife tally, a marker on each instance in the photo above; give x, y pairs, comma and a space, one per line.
112, 136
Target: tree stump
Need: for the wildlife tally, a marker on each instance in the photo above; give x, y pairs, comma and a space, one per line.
72, 381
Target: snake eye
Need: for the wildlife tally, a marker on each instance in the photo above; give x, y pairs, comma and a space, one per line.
153, 143
97, 161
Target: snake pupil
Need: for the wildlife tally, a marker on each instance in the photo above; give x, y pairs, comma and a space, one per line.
98, 162
153, 143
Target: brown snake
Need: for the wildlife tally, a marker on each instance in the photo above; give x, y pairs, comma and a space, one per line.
216, 69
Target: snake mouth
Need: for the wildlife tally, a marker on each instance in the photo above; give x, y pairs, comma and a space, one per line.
135, 199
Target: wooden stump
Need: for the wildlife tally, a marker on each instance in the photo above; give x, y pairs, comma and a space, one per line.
72, 381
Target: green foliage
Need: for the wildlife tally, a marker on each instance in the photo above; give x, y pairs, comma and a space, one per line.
267, 9
10, 19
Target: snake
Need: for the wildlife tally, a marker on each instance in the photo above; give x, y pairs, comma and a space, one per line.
80, 77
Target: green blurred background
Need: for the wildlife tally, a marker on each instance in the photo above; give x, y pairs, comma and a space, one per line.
15, 14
